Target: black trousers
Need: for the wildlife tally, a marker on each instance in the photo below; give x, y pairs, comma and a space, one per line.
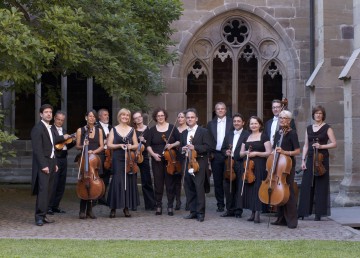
59, 183
45, 184
218, 168
146, 184
195, 190
161, 178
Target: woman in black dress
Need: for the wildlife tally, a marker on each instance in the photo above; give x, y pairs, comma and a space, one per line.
260, 150
142, 133
156, 146
122, 138
95, 144
181, 122
314, 188
287, 214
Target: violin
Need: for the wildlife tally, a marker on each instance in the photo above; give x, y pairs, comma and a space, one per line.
139, 158
274, 190
249, 165
229, 163
89, 186
172, 165
131, 165
59, 146
193, 165
318, 165
108, 154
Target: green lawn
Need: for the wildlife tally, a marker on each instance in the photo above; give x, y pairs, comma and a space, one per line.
121, 248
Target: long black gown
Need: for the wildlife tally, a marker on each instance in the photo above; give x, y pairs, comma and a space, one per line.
319, 193
250, 197
118, 197
288, 212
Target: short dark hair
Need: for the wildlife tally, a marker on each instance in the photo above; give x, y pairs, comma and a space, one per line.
259, 121
276, 101
60, 112
45, 106
191, 110
238, 115
91, 111
156, 111
319, 108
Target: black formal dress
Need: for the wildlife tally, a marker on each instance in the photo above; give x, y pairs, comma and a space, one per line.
315, 189
218, 161
195, 185
61, 161
146, 181
43, 156
288, 212
161, 177
233, 197
250, 198
118, 197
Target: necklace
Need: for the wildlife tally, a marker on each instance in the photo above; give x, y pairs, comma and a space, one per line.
318, 124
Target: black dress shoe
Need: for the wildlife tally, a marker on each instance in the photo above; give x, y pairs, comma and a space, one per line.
178, 206
90, 215
126, 213
158, 211
227, 214
279, 222
39, 222
82, 215
170, 212
317, 218
191, 216
50, 212
47, 220
238, 215
220, 209
112, 213
252, 217
200, 217
58, 210
301, 217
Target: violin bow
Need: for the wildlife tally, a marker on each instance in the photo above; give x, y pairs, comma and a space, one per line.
231, 153
167, 140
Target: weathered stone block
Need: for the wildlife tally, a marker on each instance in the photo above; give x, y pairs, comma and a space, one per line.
208, 4
284, 12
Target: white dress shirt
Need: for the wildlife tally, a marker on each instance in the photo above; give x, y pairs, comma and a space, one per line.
221, 127
48, 127
235, 140
191, 132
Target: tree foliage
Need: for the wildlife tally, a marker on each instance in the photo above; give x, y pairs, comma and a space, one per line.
121, 43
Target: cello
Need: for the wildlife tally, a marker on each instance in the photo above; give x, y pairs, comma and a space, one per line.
89, 186
274, 190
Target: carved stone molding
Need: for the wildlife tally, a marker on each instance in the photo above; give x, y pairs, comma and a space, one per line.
223, 52
272, 69
236, 32
248, 52
268, 49
197, 69
202, 48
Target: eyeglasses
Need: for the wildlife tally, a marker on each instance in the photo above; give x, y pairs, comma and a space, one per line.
276, 107
284, 118
160, 115
137, 117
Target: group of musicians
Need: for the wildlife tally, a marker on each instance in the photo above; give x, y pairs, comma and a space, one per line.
185, 153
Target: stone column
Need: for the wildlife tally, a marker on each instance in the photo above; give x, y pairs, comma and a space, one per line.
349, 190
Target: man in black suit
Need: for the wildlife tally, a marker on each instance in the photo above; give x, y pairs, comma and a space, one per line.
235, 139
103, 115
196, 139
61, 161
271, 126
218, 128
43, 164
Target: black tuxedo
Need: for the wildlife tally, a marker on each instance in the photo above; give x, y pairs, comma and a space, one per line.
195, 185
106, 172
60, 177
232, 202
42, 183
218, 161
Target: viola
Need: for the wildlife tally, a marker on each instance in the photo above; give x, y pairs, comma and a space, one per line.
59, 146
131, 165
89, 186
193, 165
108, 157
318, 158
274, 190
249, 165
229, 171
172, 164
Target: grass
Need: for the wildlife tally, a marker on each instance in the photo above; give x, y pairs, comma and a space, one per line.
123, 248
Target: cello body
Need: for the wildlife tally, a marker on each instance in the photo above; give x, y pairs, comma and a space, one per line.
274, 190
89, 186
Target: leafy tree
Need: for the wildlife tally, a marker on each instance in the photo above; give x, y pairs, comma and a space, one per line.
121, 43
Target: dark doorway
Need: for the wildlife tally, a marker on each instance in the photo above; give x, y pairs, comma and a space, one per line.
196, 95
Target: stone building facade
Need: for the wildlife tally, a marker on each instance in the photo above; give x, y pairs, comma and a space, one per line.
246, 53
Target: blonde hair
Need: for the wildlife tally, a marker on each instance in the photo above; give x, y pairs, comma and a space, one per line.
124, 111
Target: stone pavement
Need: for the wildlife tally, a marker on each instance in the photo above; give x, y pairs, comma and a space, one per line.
17, 221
